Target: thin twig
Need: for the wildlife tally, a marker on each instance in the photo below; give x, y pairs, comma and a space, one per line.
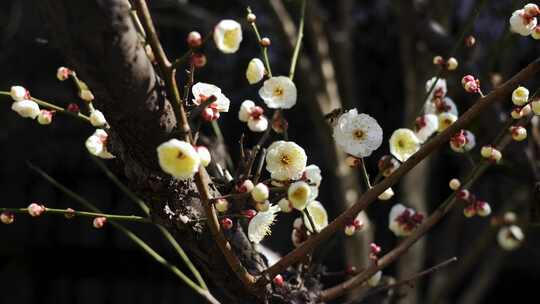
264, 49
298, 40
71, 212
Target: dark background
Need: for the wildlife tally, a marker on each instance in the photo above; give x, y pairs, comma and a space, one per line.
52, 260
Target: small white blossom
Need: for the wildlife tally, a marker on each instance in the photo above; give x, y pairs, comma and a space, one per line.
278, 92
255, 71
318, 214
375, 279
425, 126
18, 93
520, 96
402, 221
443, 105
97, 119
521, 23
260, 193
446, 120
26, 108
312, 174
259, 124
45, 117
403, 144
299, 194
463, 141
285, 160
358, 134
510, 237
202, 91
96, 144
285, 205
227, 36
259, 225
178, 158
253, 115
439, 90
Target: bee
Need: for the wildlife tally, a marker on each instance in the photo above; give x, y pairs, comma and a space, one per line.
333, 116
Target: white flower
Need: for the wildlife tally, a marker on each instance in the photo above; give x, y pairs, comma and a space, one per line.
259, 225
386, 195
446, 120
439, 90
227, 36
255, 71
96, 144
178, 158
403, 144
312, 174
253, 115
285, 205
357, 134
521, 23
402, 221
202, 91
97, 119
299, 194
260, 193
26, 108
444, 105
45, 117
318, 215
520, 96
375, 279
285, 160
18, 93
463, 141
426, 125
204, 155
510, 237
278, 92
63, 73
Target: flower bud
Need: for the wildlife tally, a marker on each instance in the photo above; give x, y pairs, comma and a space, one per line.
97, 119
470, 41
70, 213
438, 60
463, 194
99, 222
454, 184
535, 104
260, 193
526, 110
226, 223
469, 211
375, 279
531, 9
483, 209
520, 96
228, 36
265, 42
249, 213
278, 280
536, 33
255, 71
350, 230
36, 210
452, 64
251, 17
246, 186
298, 194
467, 78
374, 249
518, 133
73, 108
194, 39
208, 114
63, 73
18, 93
516, 113
198, 60
386, 195
471, 87
204, 155
285, 205
387, 165
351, 270
7, 218
45, 117
86, 95
496, 155
26, 108
486, 151
221, 205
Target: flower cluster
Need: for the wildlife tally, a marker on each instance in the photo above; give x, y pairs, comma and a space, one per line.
403, 221
470, 84
23, 103
253, 116
473, 205
202, 91
524, 22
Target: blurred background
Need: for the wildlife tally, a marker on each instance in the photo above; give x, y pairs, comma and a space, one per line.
372, 55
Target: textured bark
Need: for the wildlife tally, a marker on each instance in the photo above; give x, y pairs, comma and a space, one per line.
99, 42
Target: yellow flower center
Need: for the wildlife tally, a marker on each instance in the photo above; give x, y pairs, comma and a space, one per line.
180, 155
229, 38
300, 193
278, 92
401, 144
359, 134
285, 159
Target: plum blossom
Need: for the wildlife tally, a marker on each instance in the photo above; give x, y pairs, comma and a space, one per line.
403, 221
357, 134
97, 119
259, 225
26, 108
285, 160
255, 71
510, 237
318, 214
299, 194
425, 126
522, 23
96, 144
227, 36
403, 144
278, 92
253, 115
178, 158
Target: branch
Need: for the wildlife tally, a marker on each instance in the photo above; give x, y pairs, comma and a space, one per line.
365, 200
70, 212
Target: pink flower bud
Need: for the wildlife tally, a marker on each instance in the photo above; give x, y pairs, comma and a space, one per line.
7, 218
483, 209
518, 133
463, 194
470, 41
198, 60
45, 117
516, 113
36, 210
438, 60
99, 222
469, 211
467, 78
70, 213
63, 73
249, 213
374, 249
194, 39
207, 114
251, 17
73, 108
278, 280
350, 230
351, 270
246, 186
226, 223
265, 42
